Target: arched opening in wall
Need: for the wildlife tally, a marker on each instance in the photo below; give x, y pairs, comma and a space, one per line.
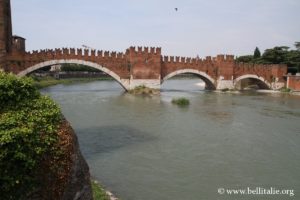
69, 71
187, 80
73, 71
251, 84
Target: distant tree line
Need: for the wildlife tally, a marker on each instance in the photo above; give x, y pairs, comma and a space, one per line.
276, 55
77, 68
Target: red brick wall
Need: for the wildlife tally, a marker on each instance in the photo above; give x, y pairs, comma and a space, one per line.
5, 30
116, 62
293, 82
268, 72
171, 64
224, 66
145, 63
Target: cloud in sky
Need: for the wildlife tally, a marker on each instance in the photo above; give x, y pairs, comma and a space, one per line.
198, 27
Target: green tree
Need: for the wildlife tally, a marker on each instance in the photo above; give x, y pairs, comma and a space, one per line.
257, 53
276, 55
293, 61
77, 67
297, 45
245, 59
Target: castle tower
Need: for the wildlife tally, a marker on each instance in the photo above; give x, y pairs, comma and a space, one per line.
5, 30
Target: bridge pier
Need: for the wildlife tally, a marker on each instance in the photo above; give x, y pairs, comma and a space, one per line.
224, 84
150, 83
278, 85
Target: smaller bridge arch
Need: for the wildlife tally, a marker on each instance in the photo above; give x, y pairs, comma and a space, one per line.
123, 82
209, 81
261, 82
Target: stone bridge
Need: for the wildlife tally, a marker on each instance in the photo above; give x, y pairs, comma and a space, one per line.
146, 66
137, 65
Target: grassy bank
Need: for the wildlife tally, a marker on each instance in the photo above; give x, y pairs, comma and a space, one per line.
98, 192
49, 81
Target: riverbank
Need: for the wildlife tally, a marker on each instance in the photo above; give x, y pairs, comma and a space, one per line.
290, 92
99, 193
50, 81
296, 93
229, 91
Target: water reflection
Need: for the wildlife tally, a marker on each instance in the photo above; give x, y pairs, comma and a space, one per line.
112, 138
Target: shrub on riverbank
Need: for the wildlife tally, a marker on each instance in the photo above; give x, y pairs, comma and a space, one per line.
181, 101
28, 126
143, 90
286, 90
98, 192
14, 91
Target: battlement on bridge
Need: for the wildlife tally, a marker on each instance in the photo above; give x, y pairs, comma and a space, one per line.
197, 60
269, 71
143, 50
75, 53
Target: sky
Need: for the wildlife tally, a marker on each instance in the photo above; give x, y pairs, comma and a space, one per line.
203, 28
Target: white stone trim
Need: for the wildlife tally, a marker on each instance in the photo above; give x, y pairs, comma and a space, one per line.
123, 82
192, 71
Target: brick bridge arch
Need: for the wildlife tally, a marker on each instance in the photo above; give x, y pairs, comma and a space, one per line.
260, 81
146, 66
124, 83
209, 81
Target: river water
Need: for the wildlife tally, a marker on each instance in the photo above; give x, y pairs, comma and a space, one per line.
146, 148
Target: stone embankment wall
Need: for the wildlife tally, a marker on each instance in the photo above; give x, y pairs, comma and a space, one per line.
78, 184
70, 177
293, 82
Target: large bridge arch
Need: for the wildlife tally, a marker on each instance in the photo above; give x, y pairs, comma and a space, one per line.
264, 84
123, 82
209, 81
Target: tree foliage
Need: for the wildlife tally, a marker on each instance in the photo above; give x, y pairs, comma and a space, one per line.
276, 55
28, 124
14, 91
245, 59
257, 53
297, 45
77, 67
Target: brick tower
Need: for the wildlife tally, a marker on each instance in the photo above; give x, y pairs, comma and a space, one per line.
5, 30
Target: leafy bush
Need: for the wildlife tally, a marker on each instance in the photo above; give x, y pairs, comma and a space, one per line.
285, 89
28, 124
181, 101
14, 90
